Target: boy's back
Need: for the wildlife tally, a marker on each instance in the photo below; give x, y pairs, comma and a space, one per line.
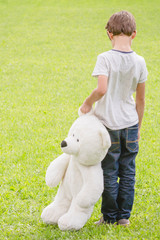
124, 71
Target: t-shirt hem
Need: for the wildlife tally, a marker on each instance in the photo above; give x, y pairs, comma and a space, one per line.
121, 126
97, 74
143, 80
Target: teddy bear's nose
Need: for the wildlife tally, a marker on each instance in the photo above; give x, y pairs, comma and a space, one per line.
63, 144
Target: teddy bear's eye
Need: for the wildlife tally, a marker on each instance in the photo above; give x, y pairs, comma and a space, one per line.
77, 140
73, 135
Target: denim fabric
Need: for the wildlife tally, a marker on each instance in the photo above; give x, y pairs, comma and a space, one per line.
119, 174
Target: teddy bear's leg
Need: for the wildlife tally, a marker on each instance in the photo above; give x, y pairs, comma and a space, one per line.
56, 209
93, 187
75, 218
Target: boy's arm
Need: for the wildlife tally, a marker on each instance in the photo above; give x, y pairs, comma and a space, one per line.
140, 103
97, 94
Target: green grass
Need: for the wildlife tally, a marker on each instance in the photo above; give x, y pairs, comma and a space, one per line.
48, 52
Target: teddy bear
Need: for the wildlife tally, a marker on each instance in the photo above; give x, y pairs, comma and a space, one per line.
79, 170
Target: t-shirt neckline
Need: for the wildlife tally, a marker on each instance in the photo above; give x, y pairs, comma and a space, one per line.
121, 51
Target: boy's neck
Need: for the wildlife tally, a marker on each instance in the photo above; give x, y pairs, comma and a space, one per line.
122, 43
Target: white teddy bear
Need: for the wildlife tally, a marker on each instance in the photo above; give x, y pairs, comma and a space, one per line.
79, 170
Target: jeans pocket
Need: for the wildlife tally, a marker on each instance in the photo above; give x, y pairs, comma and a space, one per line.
114, 147
132, 139
115, 141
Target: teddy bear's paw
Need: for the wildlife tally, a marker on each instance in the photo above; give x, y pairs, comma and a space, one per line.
74, 221
52, 178
67, 222
49, 181
50, 216
63, 222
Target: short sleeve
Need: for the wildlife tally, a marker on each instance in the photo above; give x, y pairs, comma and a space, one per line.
144, 72
101, 67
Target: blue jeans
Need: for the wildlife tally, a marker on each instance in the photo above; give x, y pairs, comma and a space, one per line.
119, 174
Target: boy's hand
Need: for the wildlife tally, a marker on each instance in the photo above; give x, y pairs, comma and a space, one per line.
85, 108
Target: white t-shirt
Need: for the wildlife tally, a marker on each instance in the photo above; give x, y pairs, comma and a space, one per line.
116, 109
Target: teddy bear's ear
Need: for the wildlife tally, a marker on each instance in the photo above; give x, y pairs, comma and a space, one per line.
106, 141
89, 113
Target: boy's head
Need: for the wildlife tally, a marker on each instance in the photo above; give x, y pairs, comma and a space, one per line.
121, 23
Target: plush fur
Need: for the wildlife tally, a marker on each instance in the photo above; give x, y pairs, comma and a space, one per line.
79, 170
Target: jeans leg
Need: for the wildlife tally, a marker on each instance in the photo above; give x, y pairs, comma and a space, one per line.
110, 167
127, 172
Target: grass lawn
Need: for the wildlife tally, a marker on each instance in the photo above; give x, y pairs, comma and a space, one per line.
48, 51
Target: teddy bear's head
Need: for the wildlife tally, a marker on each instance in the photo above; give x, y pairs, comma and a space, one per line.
88, 140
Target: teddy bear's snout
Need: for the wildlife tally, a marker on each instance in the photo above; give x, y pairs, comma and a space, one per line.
63, 144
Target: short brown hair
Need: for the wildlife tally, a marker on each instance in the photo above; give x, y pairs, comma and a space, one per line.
121, 22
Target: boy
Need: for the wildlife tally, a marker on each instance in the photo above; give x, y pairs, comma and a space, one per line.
120, 72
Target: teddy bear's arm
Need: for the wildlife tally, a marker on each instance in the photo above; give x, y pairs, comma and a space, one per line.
92, 187
56, 170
